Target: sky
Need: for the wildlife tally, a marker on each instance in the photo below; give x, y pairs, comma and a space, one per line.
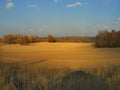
58, 17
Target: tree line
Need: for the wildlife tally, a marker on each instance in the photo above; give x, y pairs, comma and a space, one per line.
108, 39
19, 39
24, 39
104, 38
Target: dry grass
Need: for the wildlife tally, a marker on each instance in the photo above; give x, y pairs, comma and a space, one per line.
43, 67
16, 76
73, 55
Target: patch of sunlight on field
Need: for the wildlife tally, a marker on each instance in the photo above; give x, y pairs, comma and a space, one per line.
74, 55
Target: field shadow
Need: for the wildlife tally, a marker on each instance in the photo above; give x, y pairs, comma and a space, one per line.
79, 80
27, 44
1, 52
38, 61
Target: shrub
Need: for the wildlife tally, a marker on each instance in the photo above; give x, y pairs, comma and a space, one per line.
19, 39
51, 38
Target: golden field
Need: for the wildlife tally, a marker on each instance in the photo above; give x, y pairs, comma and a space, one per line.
73, 55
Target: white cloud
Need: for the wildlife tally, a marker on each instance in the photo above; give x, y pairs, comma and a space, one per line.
74, 4
98, 25
9, 4
31, 29
119, 19
56, 1
106, 27
103, 27
116, 23
33, 5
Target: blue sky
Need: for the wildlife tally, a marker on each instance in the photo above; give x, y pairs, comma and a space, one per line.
59, 17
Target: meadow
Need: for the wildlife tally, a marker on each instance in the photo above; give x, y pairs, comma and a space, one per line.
72, 55
59, 66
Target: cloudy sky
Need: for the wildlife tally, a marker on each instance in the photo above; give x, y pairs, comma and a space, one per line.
59, 17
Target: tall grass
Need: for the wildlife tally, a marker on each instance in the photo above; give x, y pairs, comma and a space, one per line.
16, 76
111, 75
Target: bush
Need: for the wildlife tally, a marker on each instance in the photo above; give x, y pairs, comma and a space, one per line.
19, 39
51, 38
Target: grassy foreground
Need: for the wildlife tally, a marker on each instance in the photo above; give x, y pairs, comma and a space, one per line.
16, 76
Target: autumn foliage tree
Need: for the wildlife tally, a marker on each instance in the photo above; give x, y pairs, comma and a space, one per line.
19, 39
51, 38
0, 40
108, 39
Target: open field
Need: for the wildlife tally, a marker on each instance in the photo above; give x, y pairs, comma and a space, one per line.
59, 66
73, 55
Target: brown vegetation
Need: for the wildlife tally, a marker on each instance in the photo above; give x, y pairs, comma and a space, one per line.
108, 39
39, 62
71, 39
25, 39
51, 38
19, 39
17, 76
76, 39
